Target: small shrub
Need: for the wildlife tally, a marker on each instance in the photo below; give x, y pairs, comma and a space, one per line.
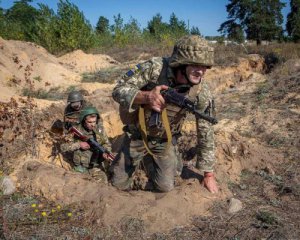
38, 78
273, 59
262, 90
52, 94
108, 75
266, 218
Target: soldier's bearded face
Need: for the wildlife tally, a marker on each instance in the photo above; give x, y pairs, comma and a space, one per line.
195, 73
76, 105
90, 122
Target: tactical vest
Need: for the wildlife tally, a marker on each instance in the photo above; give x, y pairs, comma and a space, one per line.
176, 115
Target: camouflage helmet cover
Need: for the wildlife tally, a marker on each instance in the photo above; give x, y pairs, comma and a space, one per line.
75, 96
88, 111
192, 49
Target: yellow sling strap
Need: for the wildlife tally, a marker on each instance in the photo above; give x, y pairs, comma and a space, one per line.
143, 128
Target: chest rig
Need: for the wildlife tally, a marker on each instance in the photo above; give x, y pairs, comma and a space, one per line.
171, 118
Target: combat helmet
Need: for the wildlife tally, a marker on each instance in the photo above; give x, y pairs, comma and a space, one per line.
192, 49
88, 111
75, 96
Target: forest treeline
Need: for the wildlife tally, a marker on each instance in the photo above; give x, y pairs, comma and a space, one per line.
67, 29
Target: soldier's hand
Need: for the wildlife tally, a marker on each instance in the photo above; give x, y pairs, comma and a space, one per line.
105, 156
84, 146
155, 99
210, 183
108, 157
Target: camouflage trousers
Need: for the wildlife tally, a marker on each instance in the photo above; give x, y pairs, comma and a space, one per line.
92, 163
86, 158
161, 169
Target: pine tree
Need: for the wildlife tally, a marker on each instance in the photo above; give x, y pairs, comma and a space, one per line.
156, 26
195, 31
102, 26
293, 20
260, 19
234, 31
177, 27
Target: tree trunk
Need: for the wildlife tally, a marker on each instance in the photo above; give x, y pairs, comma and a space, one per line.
258, 42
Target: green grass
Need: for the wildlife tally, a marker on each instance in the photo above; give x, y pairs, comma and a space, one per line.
267, 217
55, 93
109, 75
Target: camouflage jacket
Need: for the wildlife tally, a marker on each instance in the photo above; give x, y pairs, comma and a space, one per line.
157, 71
85, 157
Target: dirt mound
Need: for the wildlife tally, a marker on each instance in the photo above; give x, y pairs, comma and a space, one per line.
81, 62
21, 62
21, 59
159, 211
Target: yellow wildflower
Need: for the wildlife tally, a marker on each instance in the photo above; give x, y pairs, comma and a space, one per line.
36, 210
53, 210
33, 205
44, 214
58, 207
69, 214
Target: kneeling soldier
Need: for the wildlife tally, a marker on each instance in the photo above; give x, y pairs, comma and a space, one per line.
86, 158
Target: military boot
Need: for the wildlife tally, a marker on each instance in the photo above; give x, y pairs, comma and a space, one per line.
98, 175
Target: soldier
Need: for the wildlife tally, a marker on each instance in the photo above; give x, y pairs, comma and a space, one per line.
72, 110
185, 69
85, 158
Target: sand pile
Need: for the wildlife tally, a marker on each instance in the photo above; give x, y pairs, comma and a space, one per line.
81, 62
21, 61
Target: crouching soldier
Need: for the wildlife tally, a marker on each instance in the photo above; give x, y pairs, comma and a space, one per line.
140, 94
82, 139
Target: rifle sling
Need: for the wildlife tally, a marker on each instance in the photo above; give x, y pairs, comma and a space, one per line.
143, 128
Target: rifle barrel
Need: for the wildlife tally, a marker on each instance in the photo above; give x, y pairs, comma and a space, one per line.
172, 96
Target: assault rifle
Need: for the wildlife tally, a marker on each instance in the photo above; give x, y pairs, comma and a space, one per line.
92, 142
173, 95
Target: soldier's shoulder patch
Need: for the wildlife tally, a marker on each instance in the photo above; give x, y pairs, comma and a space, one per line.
137, 68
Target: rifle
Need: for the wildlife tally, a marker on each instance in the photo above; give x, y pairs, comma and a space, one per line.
171, 95
92, 142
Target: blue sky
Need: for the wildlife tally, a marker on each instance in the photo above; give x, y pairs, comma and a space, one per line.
204, 14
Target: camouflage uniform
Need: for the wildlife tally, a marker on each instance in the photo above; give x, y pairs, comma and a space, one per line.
165, 163
90, 158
